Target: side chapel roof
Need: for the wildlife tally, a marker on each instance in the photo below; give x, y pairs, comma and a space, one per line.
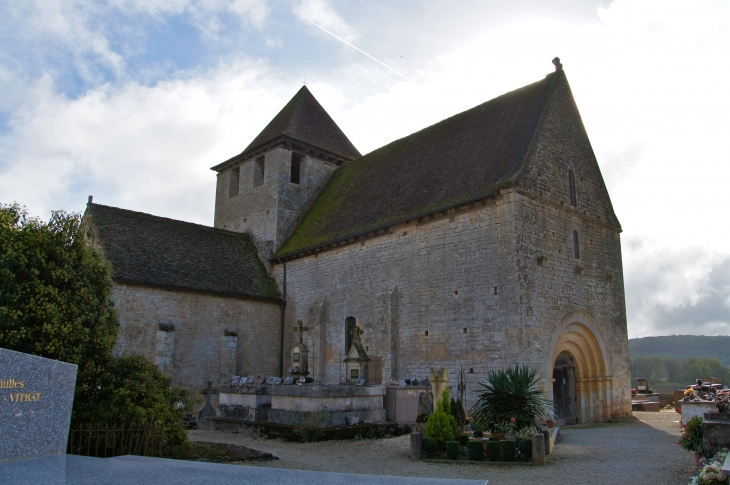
157, 251
303, 119
461, 159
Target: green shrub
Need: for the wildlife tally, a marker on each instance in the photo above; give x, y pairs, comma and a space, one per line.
429, 447
464, 439
494, 449
452, 449
511, 393
441, 425
524, 446
508, 450
692, 437
475, 450
55, 303
461, 421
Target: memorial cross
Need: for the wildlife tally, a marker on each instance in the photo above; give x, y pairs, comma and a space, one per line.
300, 329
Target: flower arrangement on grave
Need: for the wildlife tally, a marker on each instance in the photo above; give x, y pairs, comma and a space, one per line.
711, 472
692, 437
511, 401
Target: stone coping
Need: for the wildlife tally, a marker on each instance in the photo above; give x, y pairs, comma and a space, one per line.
132, 470
307, 390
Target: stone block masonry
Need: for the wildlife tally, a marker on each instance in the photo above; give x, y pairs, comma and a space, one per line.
195, 337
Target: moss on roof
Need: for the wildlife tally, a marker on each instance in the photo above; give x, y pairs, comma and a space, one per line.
455, 161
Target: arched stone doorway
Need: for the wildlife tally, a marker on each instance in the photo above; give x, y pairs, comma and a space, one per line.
581, 379
564, 397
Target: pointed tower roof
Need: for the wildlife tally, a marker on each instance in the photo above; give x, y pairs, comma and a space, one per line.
302, 120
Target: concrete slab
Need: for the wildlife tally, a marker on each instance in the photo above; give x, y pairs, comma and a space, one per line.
129, 470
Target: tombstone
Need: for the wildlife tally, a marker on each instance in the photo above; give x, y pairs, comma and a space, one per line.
426, 382
259, 379
415, 382
425, 407
360, 382
402, 382
273, 381
642, 386
408, 382
243, 380
208, 411
538, 449
356, 362
250, 379
300, 352
289, 381
236, 380
36, 397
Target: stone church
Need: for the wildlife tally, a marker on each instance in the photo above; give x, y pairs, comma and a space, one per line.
485, 240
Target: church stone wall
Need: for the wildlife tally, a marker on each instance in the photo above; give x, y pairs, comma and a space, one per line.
439, 276
270, 211
195, 337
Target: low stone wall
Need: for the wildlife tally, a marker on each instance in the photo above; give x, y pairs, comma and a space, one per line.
315, 405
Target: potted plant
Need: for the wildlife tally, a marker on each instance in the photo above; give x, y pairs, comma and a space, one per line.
510, 399
692, 438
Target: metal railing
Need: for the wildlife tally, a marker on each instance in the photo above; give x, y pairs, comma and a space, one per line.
117, 440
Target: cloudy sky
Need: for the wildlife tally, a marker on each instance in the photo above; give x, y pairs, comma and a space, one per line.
134, 100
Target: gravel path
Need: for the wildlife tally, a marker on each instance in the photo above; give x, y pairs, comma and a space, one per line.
638, 450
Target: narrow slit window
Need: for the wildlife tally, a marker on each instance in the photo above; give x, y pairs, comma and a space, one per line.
258, 172
576, 249
296, 163
571, 180
350, 324
233, 180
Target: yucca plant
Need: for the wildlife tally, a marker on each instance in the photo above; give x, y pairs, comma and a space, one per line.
511, 393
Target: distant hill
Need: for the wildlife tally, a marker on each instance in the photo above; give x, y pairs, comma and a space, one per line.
681, 347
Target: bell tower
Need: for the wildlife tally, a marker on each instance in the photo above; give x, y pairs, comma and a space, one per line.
265, 190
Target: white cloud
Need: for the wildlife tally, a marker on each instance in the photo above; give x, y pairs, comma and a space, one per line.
650, 82
322, 13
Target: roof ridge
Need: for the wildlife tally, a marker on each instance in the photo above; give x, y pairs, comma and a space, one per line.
152, 216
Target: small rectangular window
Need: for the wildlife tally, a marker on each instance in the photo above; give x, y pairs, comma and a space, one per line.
258, 172
296, 162
233, 180
571, 181
576, 247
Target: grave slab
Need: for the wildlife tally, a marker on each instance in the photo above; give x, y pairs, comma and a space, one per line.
128, 470
36, 397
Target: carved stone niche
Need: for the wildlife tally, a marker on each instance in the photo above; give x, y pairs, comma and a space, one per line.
356, 362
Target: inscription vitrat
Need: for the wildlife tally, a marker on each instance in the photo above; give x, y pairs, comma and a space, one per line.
18, 396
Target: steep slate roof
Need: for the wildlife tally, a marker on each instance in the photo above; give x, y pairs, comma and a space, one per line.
458, 160
157, 251
304, 119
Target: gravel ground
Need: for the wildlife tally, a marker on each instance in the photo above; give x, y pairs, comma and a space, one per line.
638, 450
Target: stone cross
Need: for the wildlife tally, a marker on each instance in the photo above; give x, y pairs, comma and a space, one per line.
355, 333
208, 410
300, 329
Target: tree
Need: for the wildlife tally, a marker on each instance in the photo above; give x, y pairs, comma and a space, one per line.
511, 393
671, 366
54, 290
54, 303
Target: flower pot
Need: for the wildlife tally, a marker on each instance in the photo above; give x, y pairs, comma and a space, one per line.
551, 424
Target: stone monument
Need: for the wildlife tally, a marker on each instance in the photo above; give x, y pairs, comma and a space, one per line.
439, 380
357, 360
36, 397
299, 353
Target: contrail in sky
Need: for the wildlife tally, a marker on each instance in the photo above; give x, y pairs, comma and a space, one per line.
360, 50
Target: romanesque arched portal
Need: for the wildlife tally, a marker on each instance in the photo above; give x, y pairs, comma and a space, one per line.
579, 361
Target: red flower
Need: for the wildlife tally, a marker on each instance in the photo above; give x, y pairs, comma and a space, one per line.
512, 419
